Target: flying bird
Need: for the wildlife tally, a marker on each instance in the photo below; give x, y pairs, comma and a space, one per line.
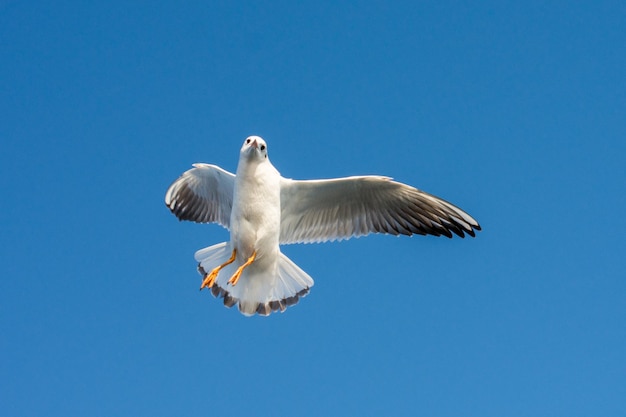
263, 210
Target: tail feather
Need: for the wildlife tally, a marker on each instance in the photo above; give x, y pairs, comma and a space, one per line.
259, 290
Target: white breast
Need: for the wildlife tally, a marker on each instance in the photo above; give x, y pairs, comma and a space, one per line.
255, 218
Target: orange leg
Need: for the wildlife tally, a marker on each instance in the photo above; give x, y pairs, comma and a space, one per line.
209, 279
233, 280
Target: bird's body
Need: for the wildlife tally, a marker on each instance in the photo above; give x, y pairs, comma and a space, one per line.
263, 210
256, 208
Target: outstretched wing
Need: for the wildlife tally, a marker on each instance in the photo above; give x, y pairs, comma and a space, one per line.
336, 209
204, 194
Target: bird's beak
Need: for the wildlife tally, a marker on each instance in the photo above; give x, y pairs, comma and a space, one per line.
254, 144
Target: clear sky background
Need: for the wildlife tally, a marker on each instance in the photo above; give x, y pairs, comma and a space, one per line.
514, 111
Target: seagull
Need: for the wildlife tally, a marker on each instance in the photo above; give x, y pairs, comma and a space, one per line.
262, 210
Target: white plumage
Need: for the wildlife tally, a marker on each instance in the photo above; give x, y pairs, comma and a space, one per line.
263, 210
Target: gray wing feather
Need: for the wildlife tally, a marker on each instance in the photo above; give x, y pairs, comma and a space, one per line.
204, 194
336, 209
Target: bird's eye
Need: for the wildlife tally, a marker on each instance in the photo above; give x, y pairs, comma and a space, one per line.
247, 140
262, 147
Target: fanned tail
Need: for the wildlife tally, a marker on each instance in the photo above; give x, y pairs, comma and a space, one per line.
258, 291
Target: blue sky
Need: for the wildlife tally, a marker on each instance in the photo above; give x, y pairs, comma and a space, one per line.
514, 111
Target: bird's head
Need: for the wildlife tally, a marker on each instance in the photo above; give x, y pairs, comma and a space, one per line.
254, 148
